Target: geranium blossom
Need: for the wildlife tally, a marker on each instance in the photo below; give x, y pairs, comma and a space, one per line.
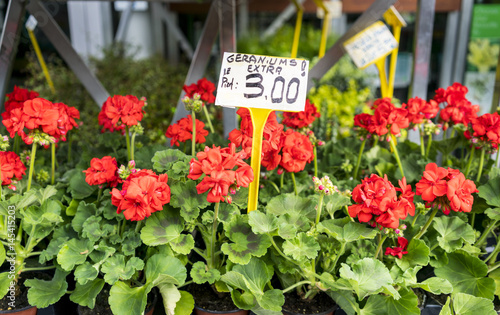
204, 88
303, 118
142, 193
103, 171
386, 118
400, 250
420, 110
120, 111
458, 109
485, 128
297, 151
183, 131
17, 97
12, 167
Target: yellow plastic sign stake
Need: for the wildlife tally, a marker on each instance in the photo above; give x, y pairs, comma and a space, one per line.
380, 64
396, 21
259, 118
298, 27
324, 30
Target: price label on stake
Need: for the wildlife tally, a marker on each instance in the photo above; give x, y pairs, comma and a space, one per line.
262, 84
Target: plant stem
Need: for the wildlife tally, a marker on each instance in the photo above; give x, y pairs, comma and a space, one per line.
138, 226
429, 221
39, 268
32, 165
16, 144
493, 253
132, 145
208, 119
481, 164
320, 205
493, 267
290, 288
99, 195
185, 284
198, 251
471, 157
422, 145
279, 251
358, 162
452, 132
70, 141
415, 218
340, 253
193, 138
472, 220
294, 184
127, 140
497, 159
53, 164
396, 155
214, 234
281, 180
122, 229
315, 161
379, 247
486, 232
429, 142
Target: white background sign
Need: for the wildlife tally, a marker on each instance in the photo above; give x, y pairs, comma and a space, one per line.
262, 82
370, 45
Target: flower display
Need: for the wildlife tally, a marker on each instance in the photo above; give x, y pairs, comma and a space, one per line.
183, 131
486, 129
400, 250
458, 109
103, 171
66, 120
203, 87
420, 110
296, 152
120, 111
17, 97
301, 119
142, 193
12, 168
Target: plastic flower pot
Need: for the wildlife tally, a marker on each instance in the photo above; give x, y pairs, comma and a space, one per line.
200, 311
330, 311
28, 310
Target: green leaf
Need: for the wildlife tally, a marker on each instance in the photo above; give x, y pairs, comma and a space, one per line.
183, 244
201, 274
418, 255
465, 304
39, 222
78, 187
412, 167
163, 160
85, 295
262, 223
115, 268
94, 229
160, 264
143, 157
453, 232
447, 146
109, 210
489, 192
286, 227
495, 275
493, 213
125, 300
383, 305
72, 208
336, 202
2, 254
74, 252
300, 209
185, 305
83, 212
4, 283
346, 230
226, 212
171, 296
345, 300
302, 247
467, 275
162, 227
44, 293
245, 243
367, 276
85, 273
131, 240
436, 286
185, 196
101, 252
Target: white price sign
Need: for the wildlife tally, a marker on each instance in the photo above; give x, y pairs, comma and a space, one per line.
262, 82
370, 45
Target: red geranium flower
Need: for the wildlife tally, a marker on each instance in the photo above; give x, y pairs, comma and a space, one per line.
363, 120
303, 118
204, 88
460, 192
17, 97
433, 183
419, 109
142, 193
297, 151
400, 250
486, 128
120, 111
12, 167
183, 131
387, 118
103, 171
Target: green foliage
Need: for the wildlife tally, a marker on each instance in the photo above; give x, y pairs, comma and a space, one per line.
465, 304
44, 293
382, 305
86, 294
453, 233
201, 274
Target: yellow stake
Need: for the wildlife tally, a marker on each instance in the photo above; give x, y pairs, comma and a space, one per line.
394, 19
39, 55
298, 27
380, 63
259, 118
324, 30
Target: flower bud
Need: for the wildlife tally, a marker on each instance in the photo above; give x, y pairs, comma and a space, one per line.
280, 171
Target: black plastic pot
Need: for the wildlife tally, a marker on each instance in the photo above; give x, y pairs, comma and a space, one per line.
332, 310
148, 311
201, 311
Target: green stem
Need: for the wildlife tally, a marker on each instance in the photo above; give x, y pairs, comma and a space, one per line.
138, 227
32, 165
427, 224
486, 232
210, 126
199, 252
375, 143
340, 253
214, 234
294, 184
53, 164
290, 288
33, 254
39, 268
415, 218
422, 144
132, 145
358, 162
452, 132
315, 161
185, 284
429, 142
493, 253
122, 228
472, 220
481, 164
70, 141
396, 155
320, 205
16, 144
193, 138
281, 180
498, 156
493, 267
99, 195
279, 251
471, 157
127, 140
379, 247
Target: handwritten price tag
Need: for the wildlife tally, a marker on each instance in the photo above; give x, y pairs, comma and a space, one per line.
370, 45
262, 82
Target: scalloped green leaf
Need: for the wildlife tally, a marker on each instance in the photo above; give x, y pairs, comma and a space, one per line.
94, 229
226, 212
183, 244
74, 252
131, 240
286, 227
78, 187
185, 305
493, 213
465, 304
86, 294
346, 230
185, 196
436, 285
383, 305
43, 293
2, 254
115, 268
467, 274
336, 202
4, 283
453, 232
83, 212
162, 227
85, 273
245, 243
301, 210
367, 276
346, 301
101, 252
302, 247
418, 255
125, 300
163, 160
201, 274
495, 275
262, 223
160, 264
170, 295
71, 209
489, 192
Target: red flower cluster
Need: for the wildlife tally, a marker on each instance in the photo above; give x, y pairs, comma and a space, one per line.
301, 119
11, 167
386, 118
103, 171
458, 109
297, 151
17, 97
120, 111
485, 128
377, 202
217, 165
400, 250
446, 188
271, 144
142, 193
204, 88
183, 131
420, 110
39, 114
